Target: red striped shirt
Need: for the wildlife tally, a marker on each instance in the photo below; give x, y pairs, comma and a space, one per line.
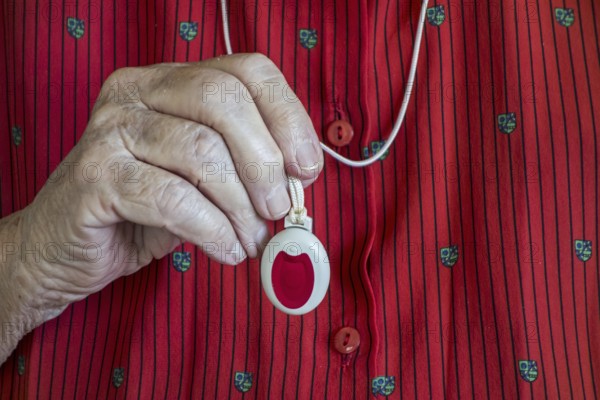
465, 260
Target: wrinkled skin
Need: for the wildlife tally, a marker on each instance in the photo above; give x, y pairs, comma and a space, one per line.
156, 167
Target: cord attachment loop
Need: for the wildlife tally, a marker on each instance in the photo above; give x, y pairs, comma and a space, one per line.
298, 211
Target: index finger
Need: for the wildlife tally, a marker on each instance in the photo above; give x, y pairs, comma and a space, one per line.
283, 114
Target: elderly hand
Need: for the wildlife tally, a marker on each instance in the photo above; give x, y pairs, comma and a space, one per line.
172, 153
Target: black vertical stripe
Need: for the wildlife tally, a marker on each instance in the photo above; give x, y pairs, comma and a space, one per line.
35, 100
474, 236
168, 340
139, 32
435, 229
155, 364
7, 137
155, 29
484, 191
404, 132
235, 306
12, 367
555, 204
1, 378
6, 28
93, 353
208, 310
214, 52
408, 235
541, 192
353, 208
285, 362
448, 218
248, 323
460, 201
14, 117
248, 272
195, 330
141, 365
76, 43
595, 32
499, 212
269, 28
175, 33
64, 380
460, 210
498, 197
24, 114
274, 324
164, 32
85, 314
531, 261
187, 46
115, 345
129, 333
581, 171
521, 306
106, 337
589, 90
568, 170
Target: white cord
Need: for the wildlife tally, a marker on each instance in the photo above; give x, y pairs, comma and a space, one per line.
298, 211
225, 19
407, 91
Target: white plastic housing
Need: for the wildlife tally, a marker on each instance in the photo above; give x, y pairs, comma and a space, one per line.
296, 241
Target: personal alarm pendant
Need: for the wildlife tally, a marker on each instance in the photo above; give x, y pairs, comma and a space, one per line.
294, 269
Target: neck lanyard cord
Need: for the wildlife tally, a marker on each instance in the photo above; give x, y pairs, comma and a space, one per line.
407, 91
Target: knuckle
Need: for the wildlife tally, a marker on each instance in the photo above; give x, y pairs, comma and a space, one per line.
222, 233
119, 86
270, 155
175, 195
260, 66
247, 222
258, 60
206, 147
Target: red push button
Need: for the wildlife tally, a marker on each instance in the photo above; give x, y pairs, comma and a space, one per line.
340, 133
346, 340
293, 279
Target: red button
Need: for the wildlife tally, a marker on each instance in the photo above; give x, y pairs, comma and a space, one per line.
346, 340
340, 133
293, 279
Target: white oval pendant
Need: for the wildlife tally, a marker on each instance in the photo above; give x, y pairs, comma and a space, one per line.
295, 269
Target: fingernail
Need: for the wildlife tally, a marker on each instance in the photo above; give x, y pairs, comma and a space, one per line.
278, 202
307, 156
